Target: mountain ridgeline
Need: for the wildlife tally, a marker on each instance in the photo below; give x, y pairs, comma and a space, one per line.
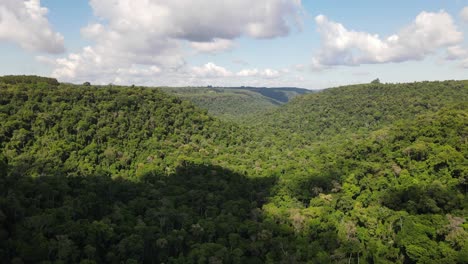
372, 173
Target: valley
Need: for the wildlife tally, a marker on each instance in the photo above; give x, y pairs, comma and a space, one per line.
368, 173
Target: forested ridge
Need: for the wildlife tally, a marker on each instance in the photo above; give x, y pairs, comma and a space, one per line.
236, 103
364, 107
372, 173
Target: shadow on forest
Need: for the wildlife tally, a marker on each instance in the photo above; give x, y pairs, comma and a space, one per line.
202, 213
423, 199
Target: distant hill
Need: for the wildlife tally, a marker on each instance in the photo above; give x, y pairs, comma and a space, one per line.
362, 107
235, 103
280, 94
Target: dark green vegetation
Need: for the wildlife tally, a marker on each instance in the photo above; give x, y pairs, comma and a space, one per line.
370, 173
28, 79
236, 103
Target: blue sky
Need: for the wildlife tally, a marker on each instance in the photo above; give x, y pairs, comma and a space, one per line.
310, 44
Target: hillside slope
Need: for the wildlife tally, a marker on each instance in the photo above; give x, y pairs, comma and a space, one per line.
362, 107
236, 103
134, 175
80, 130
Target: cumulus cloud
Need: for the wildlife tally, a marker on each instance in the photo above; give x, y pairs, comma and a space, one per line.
200, 20
212, 74
464, 14
25, 23
93, 65
210, 70
217, 45
153, 33
266, 73
248, 73
459, 52
456, 52
92, 31
425, 35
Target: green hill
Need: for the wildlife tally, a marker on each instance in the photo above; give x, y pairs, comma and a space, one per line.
80, 130
236, 103
363, 107
358, 174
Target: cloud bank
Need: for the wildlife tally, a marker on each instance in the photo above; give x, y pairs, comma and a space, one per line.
25, 24
141, 34
428, 33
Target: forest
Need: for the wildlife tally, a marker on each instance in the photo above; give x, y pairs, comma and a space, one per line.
236, 103
369, 173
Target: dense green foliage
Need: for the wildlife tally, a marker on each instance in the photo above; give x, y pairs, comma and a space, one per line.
81, 130
362, 174
363, 107
30, 79
236, 103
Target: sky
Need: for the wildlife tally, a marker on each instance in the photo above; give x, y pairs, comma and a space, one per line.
268, 43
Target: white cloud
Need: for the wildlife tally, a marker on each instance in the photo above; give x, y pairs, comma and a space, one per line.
464, 14
217, 45
91, 65
92, 31
210, 70
459, 52
148, 33
212, 74
427, 34
266, 73
456, 52
248, 73
25, 23
269, 73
